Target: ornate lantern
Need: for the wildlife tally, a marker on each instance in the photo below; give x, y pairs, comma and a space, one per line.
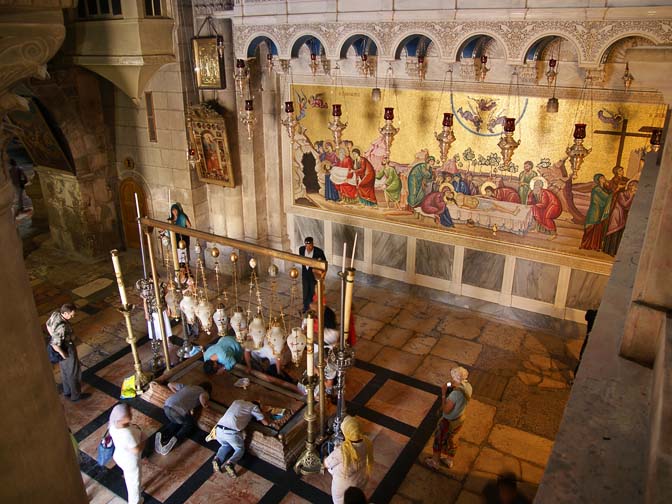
221, 319
335, 125
239, 324
627, 77
446, 137
193, 158
171, 301
577, 151
257, 331
507, 144
241, 75
484, 69
188, 307
290, 122
551, 73
276, 338
388, 130
204, 314
296, 341
247, 118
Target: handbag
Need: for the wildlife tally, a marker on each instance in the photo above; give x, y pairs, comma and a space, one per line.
105, 449
54, 356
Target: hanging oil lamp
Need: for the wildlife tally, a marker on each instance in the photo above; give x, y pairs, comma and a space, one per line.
257, 331
314, 65
364, 66
627, 77
188, 307
241, 76
239, 324
193, 157
446, 137
247, 118
551, 73
204, 314
335, 125
290, 121
506, 143
484, 69
276, 338
422, 68
388, 131
577, 151
269, 62
296, 341
220, 319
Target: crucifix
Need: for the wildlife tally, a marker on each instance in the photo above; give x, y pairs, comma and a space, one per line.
622, 134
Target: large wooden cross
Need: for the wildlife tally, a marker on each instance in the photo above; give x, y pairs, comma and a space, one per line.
622, 134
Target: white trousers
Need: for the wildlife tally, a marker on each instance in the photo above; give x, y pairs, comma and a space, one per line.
132, 477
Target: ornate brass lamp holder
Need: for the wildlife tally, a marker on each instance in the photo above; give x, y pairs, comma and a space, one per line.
141, 379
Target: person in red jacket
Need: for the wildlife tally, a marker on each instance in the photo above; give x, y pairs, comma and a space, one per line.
367, 178
502, 194
546, 208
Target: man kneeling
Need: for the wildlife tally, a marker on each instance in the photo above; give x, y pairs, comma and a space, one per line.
230, 430
178, 408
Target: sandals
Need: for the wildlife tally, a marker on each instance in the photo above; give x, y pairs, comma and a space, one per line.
431, 463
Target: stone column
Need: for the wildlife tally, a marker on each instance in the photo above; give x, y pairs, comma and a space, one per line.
37, 459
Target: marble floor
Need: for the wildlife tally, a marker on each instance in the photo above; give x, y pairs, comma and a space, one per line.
408, 340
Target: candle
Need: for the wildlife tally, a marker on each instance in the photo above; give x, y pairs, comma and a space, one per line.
120, 280
344, 252
310, 366
354, 247
137, 205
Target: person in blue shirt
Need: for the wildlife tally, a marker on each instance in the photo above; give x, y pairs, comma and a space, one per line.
222, 356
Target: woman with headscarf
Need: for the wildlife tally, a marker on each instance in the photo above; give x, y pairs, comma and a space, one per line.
453, 408
127, 450
179, 218
350, 463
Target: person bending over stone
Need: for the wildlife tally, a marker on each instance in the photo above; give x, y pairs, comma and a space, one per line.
453, 406
222, 356
265, 360
179, 409
230, 429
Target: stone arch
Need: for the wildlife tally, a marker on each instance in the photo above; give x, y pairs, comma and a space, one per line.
401, 41
252, 43
345, 42
541, 41
606, 48
474, 36
295, 44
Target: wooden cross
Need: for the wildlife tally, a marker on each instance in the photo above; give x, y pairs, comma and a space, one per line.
622, 134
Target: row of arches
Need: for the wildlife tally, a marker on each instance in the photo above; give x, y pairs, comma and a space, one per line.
424, 44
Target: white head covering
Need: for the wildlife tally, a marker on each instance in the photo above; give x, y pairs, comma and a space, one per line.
459, 374
119, 413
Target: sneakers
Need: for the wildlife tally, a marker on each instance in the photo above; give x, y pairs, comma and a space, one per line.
230, 471
164, 449
215, 465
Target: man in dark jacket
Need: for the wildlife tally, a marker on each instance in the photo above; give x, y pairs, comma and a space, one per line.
19, 181
307, 277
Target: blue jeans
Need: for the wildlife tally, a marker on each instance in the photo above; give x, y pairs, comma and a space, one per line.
231, 441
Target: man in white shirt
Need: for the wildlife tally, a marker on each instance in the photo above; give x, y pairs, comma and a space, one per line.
230, 430
258, 358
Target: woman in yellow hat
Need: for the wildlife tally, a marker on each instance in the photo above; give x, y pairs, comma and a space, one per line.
350, 463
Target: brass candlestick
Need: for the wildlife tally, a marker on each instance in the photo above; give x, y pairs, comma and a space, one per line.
141, 379
159, 301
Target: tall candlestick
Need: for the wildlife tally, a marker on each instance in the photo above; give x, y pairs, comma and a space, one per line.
344, 252
310, 328
120, 279
354, 247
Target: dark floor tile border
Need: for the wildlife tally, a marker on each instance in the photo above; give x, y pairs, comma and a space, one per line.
274, 495
93, 425
191, 485
406, 380
113, 358
378, 418
370, 389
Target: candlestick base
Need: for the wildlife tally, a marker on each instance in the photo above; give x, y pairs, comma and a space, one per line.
309, 462
142, 379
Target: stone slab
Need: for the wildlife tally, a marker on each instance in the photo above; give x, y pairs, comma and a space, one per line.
480, 417
415, 322
434, 370
466, 327
424, 485
419, 345
396, 360
521, 444
367, 328
504, 337
393, 336
94, 286
496, 462
459, 350
544, 344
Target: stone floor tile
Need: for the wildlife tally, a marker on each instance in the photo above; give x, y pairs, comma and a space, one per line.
400, 499
462, 464
502, 336
521, 444
292, 498
464, 325
493, 461
531, 472
378, 311
477, 426
366, 350
367, 328
355, 380
458, 350
247, 488
424, 485
393, 336
396, 360
573, 348
544, 344
402, 402
500, 362
529, 378
415, 322
80, 413
467, 497
419, 344
434, 370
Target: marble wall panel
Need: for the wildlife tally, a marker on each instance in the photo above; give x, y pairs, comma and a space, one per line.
343, 233
389, 250
434, 259
483, 269
585, 290
305, 226
534, 280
